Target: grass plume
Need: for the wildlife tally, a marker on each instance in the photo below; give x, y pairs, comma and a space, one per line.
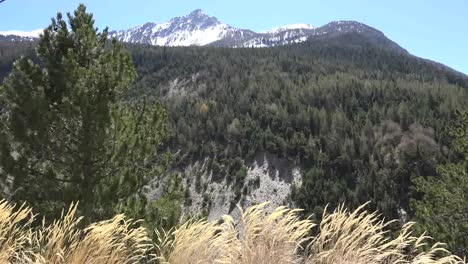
362, 237
257, 237
114, 241
14, 230
282, 237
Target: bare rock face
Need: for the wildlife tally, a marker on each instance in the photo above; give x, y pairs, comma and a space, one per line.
216, 198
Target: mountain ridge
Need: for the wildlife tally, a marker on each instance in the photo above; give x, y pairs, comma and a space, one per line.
200, 29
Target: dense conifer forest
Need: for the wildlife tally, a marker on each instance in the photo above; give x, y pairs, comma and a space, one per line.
362, 121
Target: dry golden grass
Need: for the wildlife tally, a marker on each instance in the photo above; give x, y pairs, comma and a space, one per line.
362, 237
197, 242
107, 242
14, 229
258, 237
115, 241
282, 237
270, 238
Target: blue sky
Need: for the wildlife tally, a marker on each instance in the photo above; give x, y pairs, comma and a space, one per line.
433, 29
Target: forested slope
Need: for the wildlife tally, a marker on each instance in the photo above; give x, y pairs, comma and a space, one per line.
360, 119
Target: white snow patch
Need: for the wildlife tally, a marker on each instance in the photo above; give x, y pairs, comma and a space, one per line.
289, 27
196, 37
159, 27
27, 34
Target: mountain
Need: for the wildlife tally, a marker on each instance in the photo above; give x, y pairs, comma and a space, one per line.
16, 35
200, 29
197, 29
346, 117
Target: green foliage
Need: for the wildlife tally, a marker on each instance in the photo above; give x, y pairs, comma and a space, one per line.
11, 51
165, 212
442, 209
364, 120
66, 134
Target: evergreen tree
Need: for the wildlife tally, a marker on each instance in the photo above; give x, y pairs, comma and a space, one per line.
66, 134
443, 209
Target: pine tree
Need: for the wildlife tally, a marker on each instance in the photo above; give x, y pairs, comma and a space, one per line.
67, 134
443, 208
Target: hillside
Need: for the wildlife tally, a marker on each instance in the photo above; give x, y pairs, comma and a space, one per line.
347, 117
189, 140
355, 119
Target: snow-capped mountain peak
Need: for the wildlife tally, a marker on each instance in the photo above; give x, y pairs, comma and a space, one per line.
197, 19
199, 29
198, 13
196, 28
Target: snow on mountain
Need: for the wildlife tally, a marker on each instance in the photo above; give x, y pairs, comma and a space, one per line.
200, 29
289, 27
197, 29
24, 34
17, 35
